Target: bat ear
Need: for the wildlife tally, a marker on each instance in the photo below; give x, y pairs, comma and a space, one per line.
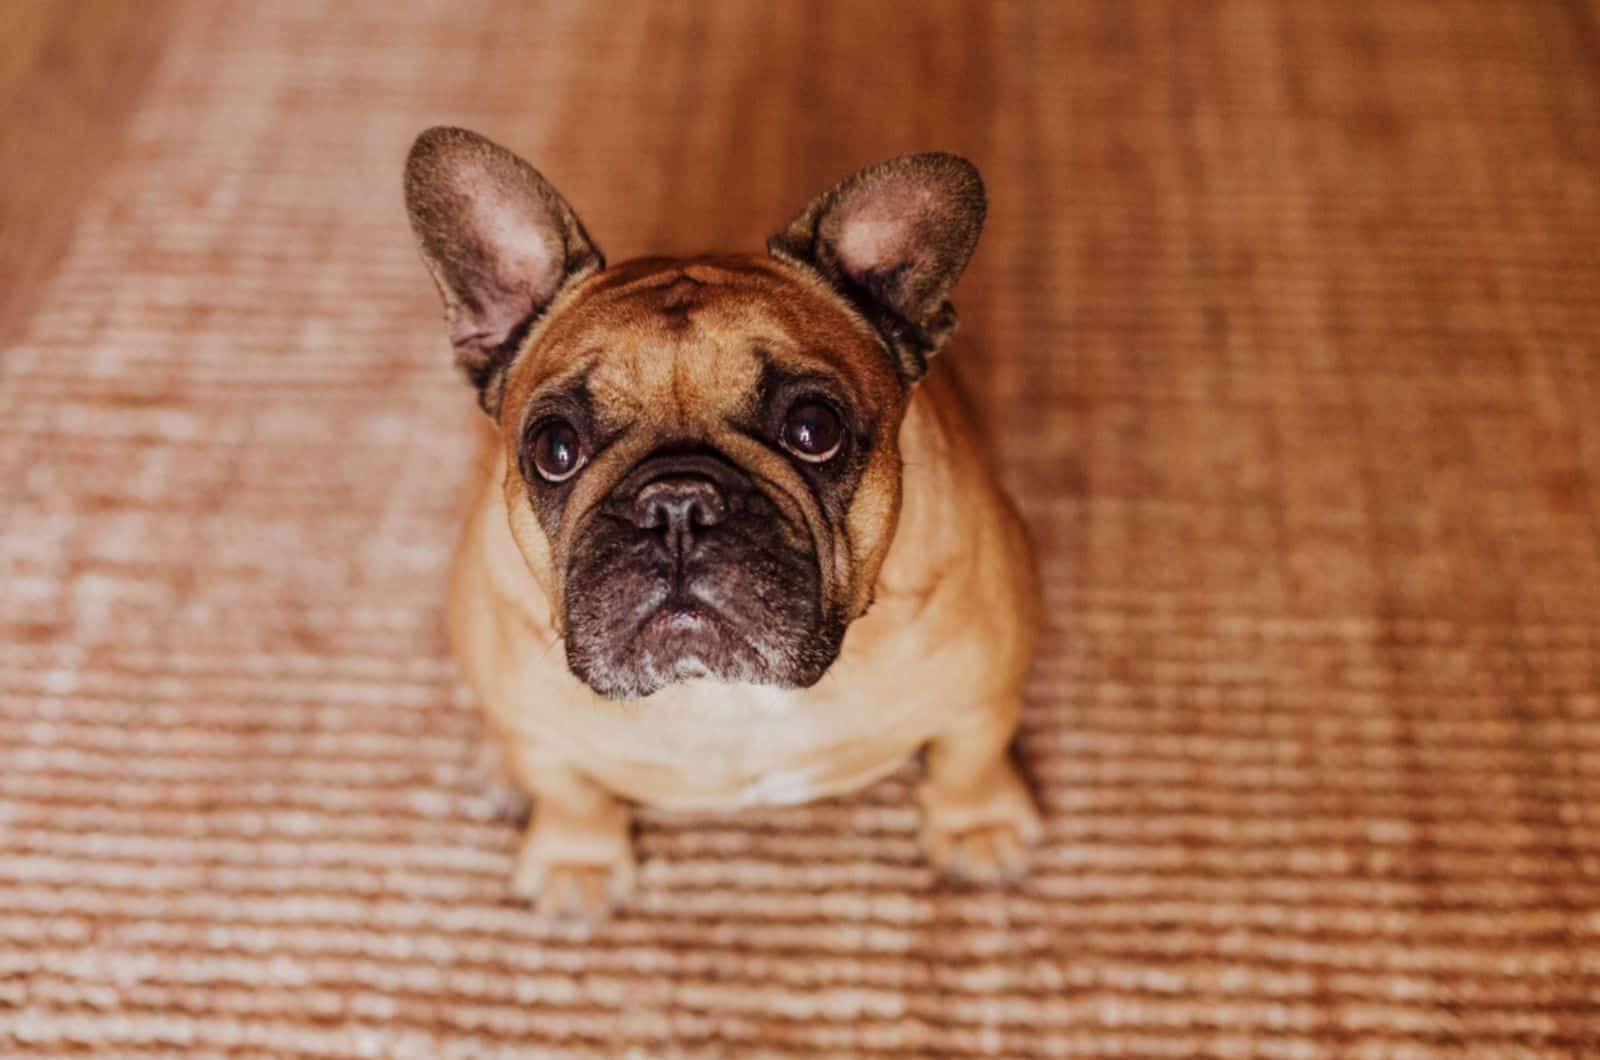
499, 241
894, 238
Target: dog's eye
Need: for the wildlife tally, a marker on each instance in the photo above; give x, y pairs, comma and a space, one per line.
558, 451
812, 431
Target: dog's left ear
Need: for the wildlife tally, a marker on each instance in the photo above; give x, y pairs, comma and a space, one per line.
894, 238
500, 242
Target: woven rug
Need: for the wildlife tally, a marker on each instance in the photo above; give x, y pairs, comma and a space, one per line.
1286, 325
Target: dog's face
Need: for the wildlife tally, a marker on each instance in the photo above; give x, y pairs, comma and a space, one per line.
703, 470
705, 465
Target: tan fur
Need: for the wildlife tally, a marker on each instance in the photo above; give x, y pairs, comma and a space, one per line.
936, 661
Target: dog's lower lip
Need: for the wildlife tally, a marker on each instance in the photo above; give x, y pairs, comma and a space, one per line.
686, 618
677, 618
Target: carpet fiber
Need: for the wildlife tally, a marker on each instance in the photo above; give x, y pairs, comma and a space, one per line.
1287, 326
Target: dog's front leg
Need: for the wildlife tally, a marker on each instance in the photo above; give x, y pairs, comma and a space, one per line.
576, 857
978, 818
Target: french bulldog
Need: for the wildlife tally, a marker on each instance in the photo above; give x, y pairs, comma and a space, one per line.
737, 546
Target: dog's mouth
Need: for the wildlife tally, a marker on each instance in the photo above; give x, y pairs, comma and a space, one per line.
688, 572
689, 641
671, 620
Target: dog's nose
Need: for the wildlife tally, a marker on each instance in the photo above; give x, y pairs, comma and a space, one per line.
678, 507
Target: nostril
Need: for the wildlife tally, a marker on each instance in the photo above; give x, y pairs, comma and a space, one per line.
708, 509
678, 505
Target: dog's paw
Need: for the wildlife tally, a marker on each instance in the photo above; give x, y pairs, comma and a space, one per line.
986, 854
574, 892
981, 839
574, 874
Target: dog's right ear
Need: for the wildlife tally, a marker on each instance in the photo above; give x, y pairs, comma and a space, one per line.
499, 241
893, 239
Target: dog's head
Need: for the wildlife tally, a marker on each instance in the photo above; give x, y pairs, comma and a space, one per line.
703, 462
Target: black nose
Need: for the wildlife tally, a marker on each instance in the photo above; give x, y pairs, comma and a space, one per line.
678, 507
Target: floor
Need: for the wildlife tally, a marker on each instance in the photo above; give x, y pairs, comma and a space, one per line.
1286, 326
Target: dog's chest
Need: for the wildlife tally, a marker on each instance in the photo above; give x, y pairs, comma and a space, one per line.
708, 746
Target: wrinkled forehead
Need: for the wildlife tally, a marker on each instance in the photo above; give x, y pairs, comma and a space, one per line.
689, 338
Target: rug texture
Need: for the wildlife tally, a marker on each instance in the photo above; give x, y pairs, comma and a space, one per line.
1286, 327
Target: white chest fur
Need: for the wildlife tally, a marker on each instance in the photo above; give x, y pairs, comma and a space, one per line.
706, 745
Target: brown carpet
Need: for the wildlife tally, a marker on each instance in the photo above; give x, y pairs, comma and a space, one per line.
1287, 321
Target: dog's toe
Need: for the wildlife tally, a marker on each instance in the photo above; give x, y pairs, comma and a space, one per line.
586, 893
982, 841
987, 854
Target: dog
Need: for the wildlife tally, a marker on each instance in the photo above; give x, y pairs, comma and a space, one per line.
738, 546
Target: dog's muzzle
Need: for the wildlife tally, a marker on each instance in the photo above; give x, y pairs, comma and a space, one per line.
688, 570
